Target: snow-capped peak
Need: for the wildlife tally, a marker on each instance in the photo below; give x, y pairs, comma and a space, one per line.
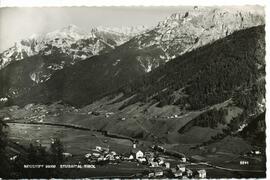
128, 31
191, 28
69, 40
70, 32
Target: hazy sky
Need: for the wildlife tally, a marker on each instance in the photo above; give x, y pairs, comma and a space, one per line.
19, 23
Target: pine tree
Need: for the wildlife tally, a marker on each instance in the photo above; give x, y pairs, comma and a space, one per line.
4, 162
57, 150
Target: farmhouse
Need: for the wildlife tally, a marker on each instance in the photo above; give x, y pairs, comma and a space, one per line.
257, 152
158, 173
160, 160
154, 164
167, 165
98, 148
13, 158
131, 157
151, 174
184, 159
181, 167
141, 160
202, 173
96, 154
178, 173
88, 155
150, 160
65, 154
137, 153
189, 172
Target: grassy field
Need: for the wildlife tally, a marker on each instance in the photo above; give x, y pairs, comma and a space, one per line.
75, 141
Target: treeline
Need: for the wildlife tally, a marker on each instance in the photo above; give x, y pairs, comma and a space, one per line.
208, 75
255, 130
248, 98
211, 118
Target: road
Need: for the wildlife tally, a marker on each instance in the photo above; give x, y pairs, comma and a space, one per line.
228, 169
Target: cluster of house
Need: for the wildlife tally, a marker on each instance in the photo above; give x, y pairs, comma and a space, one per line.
158, 167
256, 152
101, 155
38, 113
161, 168
172, 116
179, 171
253, 153
3, 99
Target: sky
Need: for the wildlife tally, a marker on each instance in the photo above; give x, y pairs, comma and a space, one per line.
19, 23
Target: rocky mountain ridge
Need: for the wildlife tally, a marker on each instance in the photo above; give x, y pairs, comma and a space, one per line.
187, 30
71, 41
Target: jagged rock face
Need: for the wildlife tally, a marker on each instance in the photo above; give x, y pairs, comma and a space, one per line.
185, 31
119, 35
43, 55
70, 41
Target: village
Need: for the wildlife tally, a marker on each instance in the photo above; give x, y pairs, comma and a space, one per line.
157, 166
149, 161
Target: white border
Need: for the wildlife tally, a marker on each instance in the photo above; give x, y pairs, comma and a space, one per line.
98, 3
55, 3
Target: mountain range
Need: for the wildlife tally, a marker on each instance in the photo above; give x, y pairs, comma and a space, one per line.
116, 65
71, 41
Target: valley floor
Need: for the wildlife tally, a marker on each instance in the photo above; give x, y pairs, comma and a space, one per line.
81, 131
80, 142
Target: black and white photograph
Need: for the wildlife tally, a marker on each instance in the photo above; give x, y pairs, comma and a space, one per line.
133, 92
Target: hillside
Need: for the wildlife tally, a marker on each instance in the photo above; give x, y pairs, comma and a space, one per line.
187, 30
113, 66
179, 82
212, 91
209, 90
208, 75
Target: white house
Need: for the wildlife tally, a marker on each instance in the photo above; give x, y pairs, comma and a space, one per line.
117, 157
160, 160
151, 174
131, 157
184, 159
65, 154
139, 154
189, 173
4, 99
181, 167
98, 148
113, 153
6, 118
154, 164
141, 159
202, 173
257, 152
178, 173
167, 165
96, 154
13, 158
159, 173
88, 155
